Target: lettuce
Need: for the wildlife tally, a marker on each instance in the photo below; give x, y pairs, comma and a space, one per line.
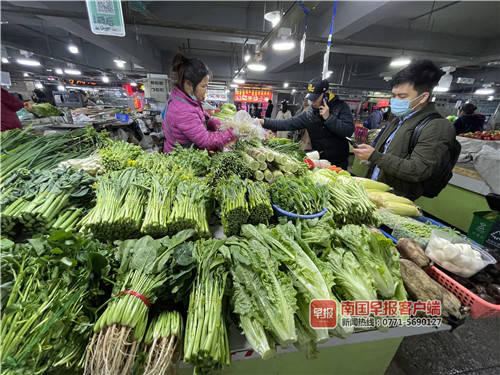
263, 295
352, 280
371, 250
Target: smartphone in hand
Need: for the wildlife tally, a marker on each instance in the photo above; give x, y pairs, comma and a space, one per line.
352, 142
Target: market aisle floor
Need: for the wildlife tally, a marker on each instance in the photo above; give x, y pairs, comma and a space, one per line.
472, 349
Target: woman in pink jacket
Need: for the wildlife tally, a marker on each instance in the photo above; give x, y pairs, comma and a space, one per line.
185, 121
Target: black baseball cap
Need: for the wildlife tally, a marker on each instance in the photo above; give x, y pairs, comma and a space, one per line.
316, 87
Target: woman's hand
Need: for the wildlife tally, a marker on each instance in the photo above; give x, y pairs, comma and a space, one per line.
261, 121
324, 110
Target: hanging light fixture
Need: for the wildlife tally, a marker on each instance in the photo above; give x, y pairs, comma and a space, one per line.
400, 62
238, 80
274, 17
285, 85
256, 64
485, 90
284, 41
105, 79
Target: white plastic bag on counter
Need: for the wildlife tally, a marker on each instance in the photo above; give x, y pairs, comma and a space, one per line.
487, 164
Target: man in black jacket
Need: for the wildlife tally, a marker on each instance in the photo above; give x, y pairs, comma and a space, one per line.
328, 122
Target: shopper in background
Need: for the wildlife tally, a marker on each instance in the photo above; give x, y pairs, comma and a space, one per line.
468, 120
302, 136
328, 122
185, 121
375, 119
283, 114
417, 151
10, 105
269, 109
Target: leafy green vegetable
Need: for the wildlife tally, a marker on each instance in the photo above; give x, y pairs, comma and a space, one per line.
206, 343
234, 212
299, 195
262, 292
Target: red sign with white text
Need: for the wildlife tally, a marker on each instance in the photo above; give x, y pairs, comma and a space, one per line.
252, 96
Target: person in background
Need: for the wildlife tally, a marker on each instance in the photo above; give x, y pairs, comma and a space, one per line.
10, 105
413, 169
468, 120
301, 136
269, 109
283, 114
328, 122
375, 119
185, 121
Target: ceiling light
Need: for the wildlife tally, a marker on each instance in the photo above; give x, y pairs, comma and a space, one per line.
274, 17
400, 62
26, 75
441, 89
38, 85
5, 60
285, 85
257, 67
48, 70
241, 81
234, 85
59, 71
490, 98
28, 62
294, 91
120, 63
283, 45
73, 72
133, 84
329, 73
61, 88
73, 49
247, 57
105, 79
433, 99
485, 91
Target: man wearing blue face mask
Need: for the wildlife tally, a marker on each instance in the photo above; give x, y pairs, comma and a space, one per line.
415, 153
328, 122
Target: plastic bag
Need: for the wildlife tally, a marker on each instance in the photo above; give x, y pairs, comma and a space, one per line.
244, 126
454, 254
486, 163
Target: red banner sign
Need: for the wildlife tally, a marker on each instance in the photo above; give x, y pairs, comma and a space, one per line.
252, 96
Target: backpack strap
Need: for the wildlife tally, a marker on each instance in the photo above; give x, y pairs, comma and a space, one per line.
418, 130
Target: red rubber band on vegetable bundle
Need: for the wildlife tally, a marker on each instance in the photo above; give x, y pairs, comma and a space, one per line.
138, 295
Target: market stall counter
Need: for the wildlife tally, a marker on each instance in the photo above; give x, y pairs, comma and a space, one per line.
457, 202
368, 352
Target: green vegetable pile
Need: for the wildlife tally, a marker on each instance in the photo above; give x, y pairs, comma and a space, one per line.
299, 195
51, 287
259, 203
206, 344
234, 212
347, 199
45, 110
118, 155
21, 149
40, 200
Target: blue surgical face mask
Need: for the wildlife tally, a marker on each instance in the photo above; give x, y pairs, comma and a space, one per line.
400, 107
309, 102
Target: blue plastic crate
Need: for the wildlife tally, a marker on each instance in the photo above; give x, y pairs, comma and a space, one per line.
387, 235
424, 219
122, 117
296, 216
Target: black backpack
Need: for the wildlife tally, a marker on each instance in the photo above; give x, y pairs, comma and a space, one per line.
443, 174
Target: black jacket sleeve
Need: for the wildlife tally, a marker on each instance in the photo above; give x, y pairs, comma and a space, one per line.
341, 124
295, 123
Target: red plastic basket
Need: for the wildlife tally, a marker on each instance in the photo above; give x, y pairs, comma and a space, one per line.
479, 308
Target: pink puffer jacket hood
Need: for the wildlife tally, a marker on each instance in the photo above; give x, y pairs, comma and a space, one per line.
186, 120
